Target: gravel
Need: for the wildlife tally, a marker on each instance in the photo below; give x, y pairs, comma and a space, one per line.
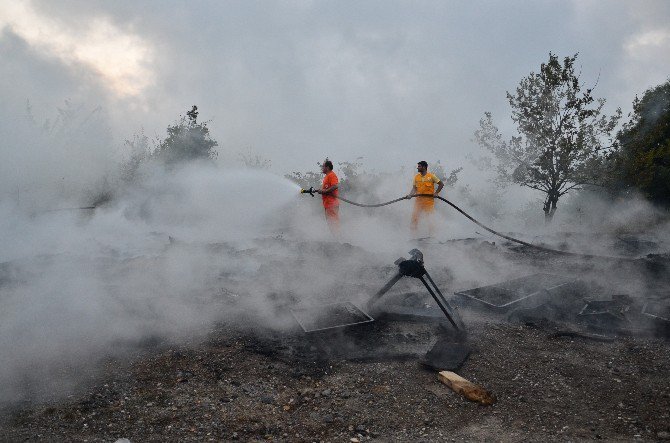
227, 387
547, 389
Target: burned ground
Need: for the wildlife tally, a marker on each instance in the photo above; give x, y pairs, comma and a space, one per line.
553, 381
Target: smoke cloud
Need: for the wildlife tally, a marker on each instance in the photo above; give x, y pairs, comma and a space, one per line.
166, 257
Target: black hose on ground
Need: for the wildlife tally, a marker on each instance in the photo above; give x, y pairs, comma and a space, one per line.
481, 225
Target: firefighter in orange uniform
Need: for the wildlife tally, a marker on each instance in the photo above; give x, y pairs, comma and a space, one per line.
329, 195
424, 183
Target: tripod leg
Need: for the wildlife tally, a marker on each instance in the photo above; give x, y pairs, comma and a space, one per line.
454, 312
442, 306
382, 291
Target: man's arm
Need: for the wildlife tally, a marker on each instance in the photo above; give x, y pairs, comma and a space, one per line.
412, 193
329, 189
440, 185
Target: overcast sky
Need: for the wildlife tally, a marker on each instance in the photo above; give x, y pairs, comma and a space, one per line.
392, 82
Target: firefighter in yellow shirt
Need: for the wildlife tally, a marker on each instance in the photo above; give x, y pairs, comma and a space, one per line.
424, 183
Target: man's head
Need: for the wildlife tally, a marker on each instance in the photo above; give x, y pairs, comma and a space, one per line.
422, 167
327, 166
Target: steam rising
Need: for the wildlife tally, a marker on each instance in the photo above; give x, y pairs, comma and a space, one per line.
76, 285
177, 251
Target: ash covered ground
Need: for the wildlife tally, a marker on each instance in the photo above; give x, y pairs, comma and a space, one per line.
247, 372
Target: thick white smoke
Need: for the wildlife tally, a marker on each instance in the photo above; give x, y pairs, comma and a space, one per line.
178, 250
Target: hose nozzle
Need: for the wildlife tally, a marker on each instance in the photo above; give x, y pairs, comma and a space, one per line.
309, 191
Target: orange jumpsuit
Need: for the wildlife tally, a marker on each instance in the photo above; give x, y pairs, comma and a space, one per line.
424, 206
331, 204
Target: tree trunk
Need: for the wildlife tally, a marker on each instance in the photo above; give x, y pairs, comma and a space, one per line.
549, 207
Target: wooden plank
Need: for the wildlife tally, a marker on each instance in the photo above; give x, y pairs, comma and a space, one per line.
466, 388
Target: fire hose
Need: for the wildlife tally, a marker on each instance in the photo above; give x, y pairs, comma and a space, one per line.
312, 191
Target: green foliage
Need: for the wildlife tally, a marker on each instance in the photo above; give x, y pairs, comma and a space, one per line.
353, 177
487, 203
563, 135
73, 125
252, 160
139, 152
69, 153
306, 179
439, 171
186, 140
643, 160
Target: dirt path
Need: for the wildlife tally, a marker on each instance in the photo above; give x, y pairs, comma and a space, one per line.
565, 389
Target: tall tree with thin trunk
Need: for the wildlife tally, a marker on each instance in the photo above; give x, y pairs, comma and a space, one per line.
563, 134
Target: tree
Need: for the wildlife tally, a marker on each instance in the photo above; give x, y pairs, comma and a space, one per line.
58, 161
252, 160
449, 180
642, 162
138, 152
563, 136
306, 179
186, 140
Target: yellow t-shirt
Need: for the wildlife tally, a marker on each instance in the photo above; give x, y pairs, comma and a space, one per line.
425, 184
